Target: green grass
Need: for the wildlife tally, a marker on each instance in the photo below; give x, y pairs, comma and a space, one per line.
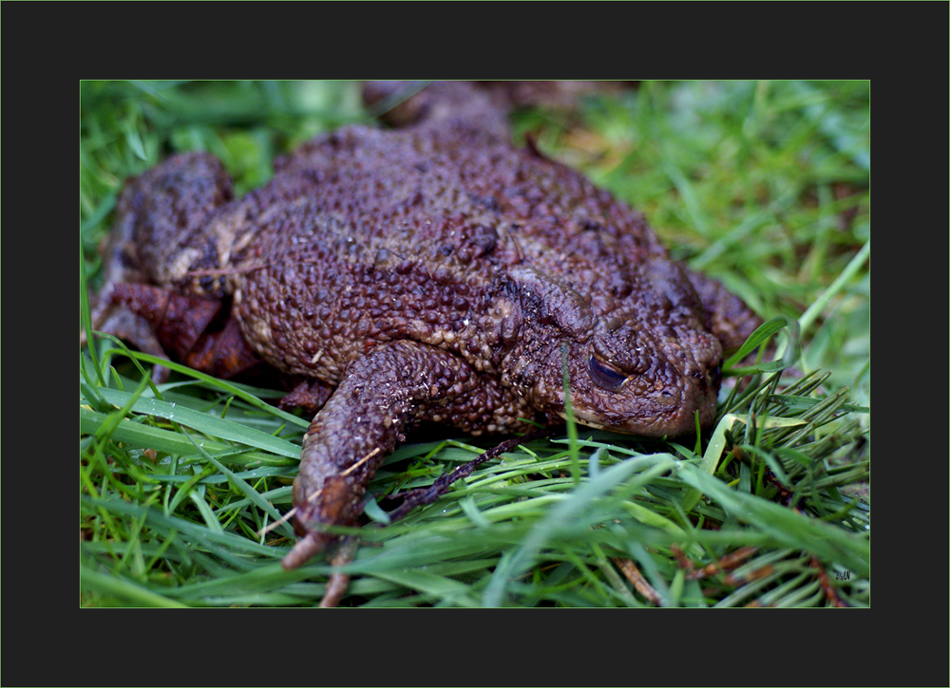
762, 185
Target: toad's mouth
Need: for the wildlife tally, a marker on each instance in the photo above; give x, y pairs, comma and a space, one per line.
658, 427
670, 413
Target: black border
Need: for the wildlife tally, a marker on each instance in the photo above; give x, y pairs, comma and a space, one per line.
900, 48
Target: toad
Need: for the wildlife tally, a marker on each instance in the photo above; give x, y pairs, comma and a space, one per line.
428, 272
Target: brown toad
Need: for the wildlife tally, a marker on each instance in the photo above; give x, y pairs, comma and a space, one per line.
431, 272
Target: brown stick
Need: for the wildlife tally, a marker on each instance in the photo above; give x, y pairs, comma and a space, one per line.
426, 495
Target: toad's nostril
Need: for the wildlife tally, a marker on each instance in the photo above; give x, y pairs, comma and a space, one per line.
666, 398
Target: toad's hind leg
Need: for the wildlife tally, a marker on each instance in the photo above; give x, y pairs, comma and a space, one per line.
162, 231
168, 213
162, 224
382, 394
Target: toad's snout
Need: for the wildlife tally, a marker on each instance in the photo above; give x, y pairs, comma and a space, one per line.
655, 395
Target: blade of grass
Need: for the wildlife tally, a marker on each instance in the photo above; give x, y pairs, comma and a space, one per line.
132, 593
567, 512
205, 423
144, 436
788, 527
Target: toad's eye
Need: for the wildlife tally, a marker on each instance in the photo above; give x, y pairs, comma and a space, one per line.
605, 375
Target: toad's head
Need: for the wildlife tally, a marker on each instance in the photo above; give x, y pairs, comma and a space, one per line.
642, 363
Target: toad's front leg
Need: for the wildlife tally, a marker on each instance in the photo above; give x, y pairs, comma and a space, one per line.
379, 398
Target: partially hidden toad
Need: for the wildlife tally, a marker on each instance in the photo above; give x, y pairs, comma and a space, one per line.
429, 272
